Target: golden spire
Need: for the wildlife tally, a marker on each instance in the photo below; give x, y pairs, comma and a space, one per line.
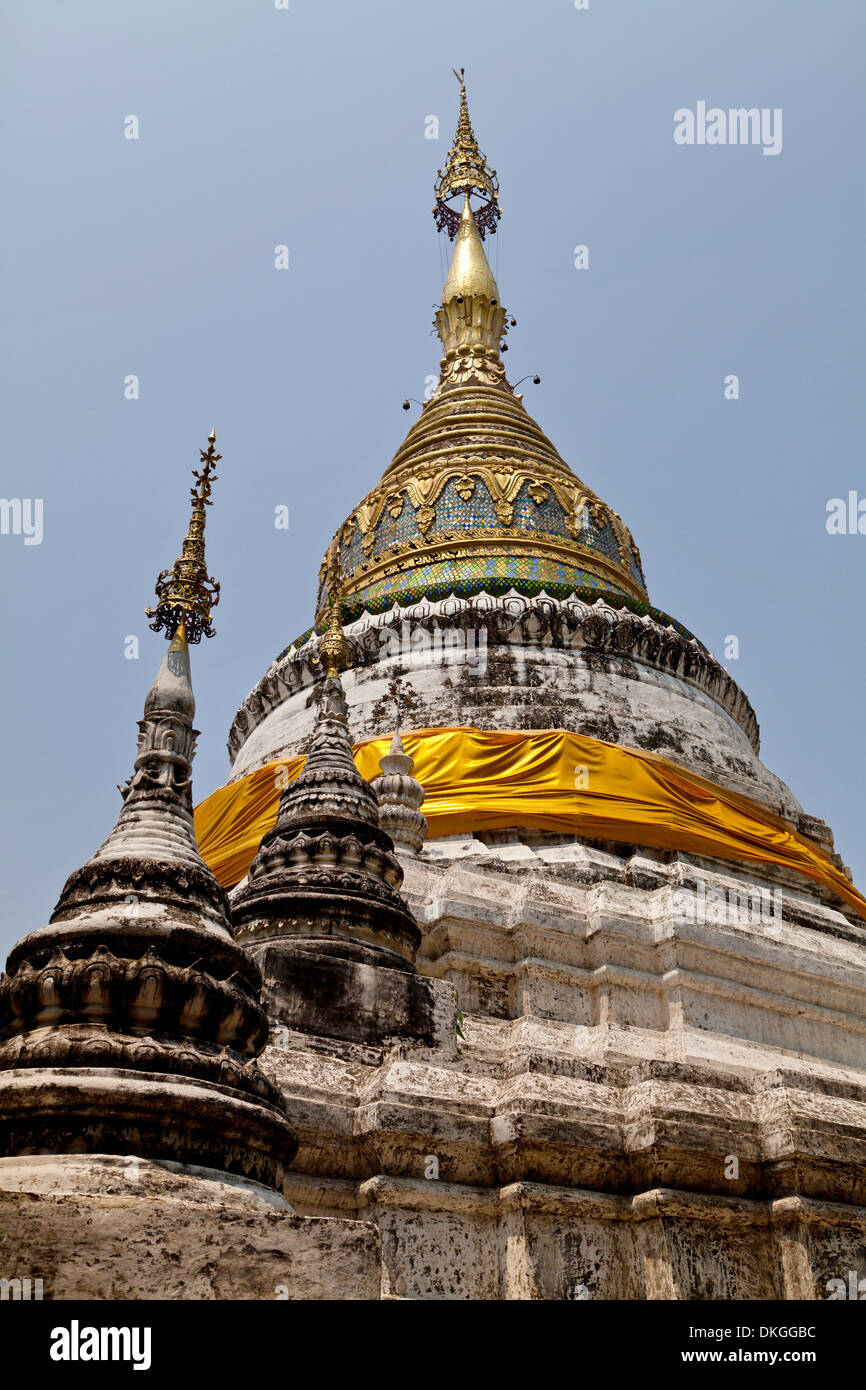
475, 446
469, 272
470, 320
186, 592
466, 171
334, 650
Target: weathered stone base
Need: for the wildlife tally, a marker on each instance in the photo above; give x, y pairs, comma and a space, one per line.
538, 1241
577, 1138
81, 1110
106, 1227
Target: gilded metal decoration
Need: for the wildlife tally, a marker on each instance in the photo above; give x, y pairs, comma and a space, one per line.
334, 652
493, 482
465, 486
186, 592
466, 171
476, 495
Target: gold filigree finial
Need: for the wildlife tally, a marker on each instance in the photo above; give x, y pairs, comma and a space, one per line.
186, 592
466, 171
334, 650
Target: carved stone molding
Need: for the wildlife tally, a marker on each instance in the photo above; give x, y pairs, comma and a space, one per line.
513, 619
133, 996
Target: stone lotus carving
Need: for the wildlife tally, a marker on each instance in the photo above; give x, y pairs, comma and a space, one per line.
144, 995
100, 1048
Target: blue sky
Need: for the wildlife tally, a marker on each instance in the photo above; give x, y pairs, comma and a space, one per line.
306, 127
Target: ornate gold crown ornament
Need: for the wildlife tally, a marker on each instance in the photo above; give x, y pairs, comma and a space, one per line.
466, 171
186, 592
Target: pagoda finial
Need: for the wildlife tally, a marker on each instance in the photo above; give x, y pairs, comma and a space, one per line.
334, 650
466, 171
400, 797
186, 592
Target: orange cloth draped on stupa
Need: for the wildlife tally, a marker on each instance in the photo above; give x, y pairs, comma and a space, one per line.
543, 779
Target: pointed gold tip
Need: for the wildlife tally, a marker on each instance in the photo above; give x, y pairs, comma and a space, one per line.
211, 437
469, 272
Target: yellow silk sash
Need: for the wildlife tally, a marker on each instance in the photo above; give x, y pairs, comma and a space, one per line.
543, 779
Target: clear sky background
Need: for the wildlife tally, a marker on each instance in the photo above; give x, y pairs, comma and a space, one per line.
306, 127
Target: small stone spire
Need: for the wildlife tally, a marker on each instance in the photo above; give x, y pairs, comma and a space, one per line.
400, 798
131, 1023
157, 800
327, 867
321, 909
330, 789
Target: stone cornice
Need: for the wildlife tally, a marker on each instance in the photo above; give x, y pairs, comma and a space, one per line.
98, 1047
514, 619
104, 881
